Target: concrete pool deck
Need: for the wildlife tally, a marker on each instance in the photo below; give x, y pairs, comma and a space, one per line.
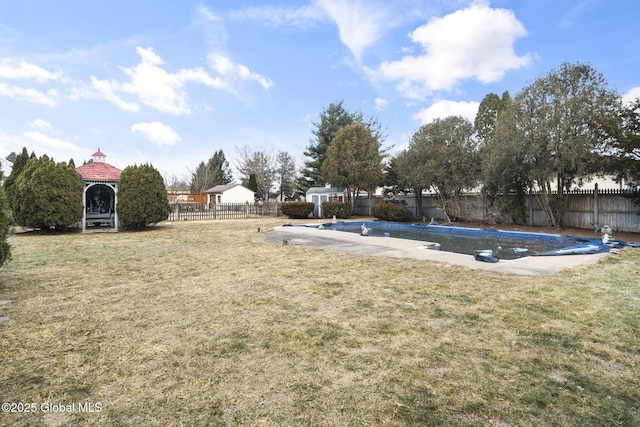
403, 248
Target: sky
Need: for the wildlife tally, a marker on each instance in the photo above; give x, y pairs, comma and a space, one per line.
171, 82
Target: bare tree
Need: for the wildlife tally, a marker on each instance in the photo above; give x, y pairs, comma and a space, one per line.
260, 164
174, 182
201, 177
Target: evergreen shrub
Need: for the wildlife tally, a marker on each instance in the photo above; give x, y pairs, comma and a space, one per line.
47, 195
391, 210
142, 197
339, 209
297, 209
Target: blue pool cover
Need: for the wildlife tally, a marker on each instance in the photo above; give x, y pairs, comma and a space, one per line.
504, 244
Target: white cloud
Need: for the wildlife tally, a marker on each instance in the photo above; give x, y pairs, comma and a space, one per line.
48, 143
574, 13
381, 104
359, 23
446, 108
41, 138
232, 71
220, 61
24, 70
212, 26
157, 132
106, 89
631, 95
476, 42
40, 124
152, 85
29, 94
303, 17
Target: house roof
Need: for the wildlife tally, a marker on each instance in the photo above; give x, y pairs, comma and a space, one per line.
219, 189
325, 190
99, 170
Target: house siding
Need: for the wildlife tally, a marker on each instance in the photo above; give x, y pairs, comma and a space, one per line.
237, 194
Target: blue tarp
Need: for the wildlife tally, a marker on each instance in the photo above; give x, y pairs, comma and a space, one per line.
505, 244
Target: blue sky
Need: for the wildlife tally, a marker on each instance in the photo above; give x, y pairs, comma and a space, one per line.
171, 82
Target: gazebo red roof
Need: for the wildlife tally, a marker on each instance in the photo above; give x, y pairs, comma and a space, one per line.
98, 169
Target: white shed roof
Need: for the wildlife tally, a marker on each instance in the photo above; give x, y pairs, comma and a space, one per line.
219, 189
325, 190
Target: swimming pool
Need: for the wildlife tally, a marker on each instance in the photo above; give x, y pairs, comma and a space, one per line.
502, 243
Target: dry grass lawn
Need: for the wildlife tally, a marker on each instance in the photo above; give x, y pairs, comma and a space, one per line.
202, 323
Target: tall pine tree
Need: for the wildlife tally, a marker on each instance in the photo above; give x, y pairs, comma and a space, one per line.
216, 171
332, 119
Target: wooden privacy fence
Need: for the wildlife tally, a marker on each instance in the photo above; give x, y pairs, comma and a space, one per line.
585, 209
200, 211
593, 209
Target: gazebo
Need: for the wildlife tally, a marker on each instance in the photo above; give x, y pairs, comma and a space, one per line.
100, 194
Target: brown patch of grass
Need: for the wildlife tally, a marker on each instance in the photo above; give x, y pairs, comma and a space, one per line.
202, 323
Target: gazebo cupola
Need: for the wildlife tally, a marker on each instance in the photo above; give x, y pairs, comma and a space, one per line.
100, 195
98, 156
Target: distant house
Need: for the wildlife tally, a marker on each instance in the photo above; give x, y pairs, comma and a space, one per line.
186, 197
5, 166
230, 193
318, 195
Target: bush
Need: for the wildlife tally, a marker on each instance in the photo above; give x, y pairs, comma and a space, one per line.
46, 194
142, 197
341, 210
297, 209
390, 210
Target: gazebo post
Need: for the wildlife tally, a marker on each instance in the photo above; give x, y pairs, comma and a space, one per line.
115, 207
84, 208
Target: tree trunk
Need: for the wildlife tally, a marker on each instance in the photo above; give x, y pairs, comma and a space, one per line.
355, 199
443, 207
418, 199
544, 197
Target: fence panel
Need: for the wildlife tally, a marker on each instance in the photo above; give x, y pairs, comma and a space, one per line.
200, 211
592, 208
586, 209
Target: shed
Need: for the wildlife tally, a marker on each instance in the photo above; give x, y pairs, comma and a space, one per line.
100, 194
230, 193
318, 195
